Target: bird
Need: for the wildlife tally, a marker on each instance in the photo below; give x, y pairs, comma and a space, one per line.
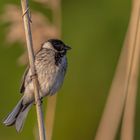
51, 66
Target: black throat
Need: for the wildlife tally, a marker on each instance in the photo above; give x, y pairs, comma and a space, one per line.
58, 57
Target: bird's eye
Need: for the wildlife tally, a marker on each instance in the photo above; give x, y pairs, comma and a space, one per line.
58, 47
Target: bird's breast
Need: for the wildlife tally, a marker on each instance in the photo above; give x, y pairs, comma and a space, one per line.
51, 76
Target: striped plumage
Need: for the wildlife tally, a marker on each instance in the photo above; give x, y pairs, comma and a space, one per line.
51, 65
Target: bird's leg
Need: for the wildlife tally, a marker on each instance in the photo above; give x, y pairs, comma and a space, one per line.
41, 101
41, 98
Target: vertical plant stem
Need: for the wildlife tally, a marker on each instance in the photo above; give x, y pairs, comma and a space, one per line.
52, 100
26, 19
50, 115
56, 10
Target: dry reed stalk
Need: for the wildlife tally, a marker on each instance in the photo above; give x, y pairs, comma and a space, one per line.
50, 115
114, 106
26, 19
121, 87
127, 131
51, 103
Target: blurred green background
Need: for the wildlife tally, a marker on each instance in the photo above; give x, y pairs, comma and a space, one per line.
95, 29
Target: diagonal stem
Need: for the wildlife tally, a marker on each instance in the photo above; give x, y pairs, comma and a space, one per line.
26, 19
124, 86
127, 132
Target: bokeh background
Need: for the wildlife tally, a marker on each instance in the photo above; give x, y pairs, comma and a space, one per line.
95, 29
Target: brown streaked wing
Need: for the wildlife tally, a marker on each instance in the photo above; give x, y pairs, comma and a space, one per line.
22, 87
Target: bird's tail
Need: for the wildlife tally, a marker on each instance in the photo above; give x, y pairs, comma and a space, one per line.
18, 115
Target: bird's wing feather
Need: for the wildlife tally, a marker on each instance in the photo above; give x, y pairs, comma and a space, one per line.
22, 87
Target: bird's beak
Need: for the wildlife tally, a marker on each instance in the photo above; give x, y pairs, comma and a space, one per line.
67, 47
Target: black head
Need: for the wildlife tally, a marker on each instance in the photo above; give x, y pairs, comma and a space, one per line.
59, 45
